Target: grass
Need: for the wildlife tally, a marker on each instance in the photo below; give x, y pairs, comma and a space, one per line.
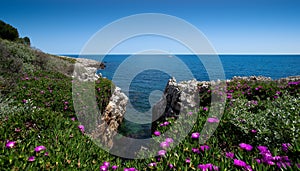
38, 111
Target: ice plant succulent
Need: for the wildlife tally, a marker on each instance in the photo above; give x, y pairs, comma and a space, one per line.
31, 158
81, 128
204, 147
164, 145
39, 148
285, 146
212, 120
156, 133
114, 167
195, 135
230, 155
245, 146
162, 152
10, 144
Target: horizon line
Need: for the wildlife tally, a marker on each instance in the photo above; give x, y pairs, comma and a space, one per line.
59, 54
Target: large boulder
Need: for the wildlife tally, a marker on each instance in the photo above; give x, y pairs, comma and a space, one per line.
111, 119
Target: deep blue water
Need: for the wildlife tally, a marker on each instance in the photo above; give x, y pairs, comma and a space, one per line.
143, 78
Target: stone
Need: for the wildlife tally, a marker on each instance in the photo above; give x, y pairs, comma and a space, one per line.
111, 119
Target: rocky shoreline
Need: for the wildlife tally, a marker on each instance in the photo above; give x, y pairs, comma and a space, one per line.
176, 97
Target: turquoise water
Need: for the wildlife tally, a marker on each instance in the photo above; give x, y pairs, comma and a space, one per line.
144, 77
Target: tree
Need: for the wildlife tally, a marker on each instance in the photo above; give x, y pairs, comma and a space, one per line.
8, 32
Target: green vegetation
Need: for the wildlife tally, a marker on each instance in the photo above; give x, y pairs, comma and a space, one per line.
8, 32
39, 130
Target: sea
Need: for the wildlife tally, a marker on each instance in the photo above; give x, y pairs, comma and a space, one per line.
143, 78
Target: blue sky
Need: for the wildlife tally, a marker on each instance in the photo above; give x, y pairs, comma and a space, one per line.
232, 26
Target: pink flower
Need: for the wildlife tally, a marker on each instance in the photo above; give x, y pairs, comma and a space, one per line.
188, 160
245, 146
190, 113
46, 154
195, 150
156, 133
39, 148
162, 152
164, 145
81, 128
204, 147
73, 119
254, 131
152, 164
205, 108
10, 144
114, 167
195, 135
213, 120
106, 164
31, 158
103, 168
171, 166
240, 163
230, 155
285, 146
169, 140
262, 148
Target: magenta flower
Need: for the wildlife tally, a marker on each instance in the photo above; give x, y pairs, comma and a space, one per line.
196, 150
152, 164
114, 167
253, 131
212, 120
188, 160
208, 166
81, 128
10, 144
106, 164
245, 146
248, 168
262, 148
164, 145
31, 158
162, 152
156, 133
285, 146
171, 166
66, 102
46, 154
39, 148
230, 155
24, 101
73, 119
169, 140
298, 165
205, 108
195, 135
190, 113
204, 147
166, 123
103, 168
258, 161
240, 163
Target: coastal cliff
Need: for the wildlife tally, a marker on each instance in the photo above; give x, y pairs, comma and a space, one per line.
181, 96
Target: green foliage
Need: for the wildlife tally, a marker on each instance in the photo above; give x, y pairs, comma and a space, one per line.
8, 32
